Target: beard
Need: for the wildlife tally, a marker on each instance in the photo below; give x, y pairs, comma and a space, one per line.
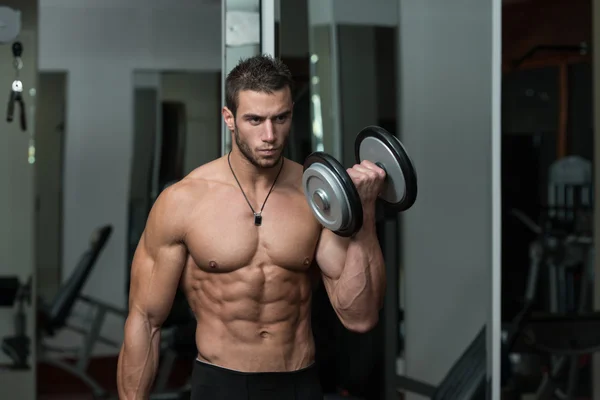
249, 155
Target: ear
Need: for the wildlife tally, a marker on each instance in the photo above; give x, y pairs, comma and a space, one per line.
229, 118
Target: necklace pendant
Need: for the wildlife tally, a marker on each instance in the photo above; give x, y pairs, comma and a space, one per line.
257, 219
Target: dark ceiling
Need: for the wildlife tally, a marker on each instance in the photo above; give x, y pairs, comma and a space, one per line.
530, 23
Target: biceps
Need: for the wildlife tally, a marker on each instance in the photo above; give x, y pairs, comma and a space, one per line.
331, 254
155, 276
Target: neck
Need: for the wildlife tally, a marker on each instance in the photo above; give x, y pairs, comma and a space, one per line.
251, 176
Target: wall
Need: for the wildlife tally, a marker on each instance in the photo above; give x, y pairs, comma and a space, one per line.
17, 255
99, 48
448, 93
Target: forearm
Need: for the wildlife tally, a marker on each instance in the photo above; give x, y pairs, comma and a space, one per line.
138, 359
359, 291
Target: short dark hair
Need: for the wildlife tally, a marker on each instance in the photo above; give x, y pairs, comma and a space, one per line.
261, 73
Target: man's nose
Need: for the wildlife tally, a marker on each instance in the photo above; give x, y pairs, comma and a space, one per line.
269, 133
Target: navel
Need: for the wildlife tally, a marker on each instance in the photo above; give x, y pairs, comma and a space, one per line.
264, 334
212, 264
306, 261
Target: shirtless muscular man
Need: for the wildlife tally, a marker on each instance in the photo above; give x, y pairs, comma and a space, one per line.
238, 236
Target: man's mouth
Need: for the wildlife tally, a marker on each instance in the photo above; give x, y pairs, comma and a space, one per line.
267, 151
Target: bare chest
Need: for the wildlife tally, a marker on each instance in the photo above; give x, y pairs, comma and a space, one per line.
224, 236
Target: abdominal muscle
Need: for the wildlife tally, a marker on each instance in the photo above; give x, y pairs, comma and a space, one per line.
254, 319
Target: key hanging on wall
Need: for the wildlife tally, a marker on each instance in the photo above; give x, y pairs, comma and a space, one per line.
16, 90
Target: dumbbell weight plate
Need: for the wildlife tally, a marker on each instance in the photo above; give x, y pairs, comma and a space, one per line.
377, 145
331, 194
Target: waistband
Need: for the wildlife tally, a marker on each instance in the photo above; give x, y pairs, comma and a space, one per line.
211, 374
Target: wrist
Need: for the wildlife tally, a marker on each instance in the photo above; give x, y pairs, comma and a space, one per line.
369, 225
369, 215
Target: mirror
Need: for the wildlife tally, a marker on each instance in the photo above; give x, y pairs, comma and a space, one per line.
548, 319
375, 64
292, 47
123, 111
18, 69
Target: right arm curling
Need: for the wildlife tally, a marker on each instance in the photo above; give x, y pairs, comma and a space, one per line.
155, 273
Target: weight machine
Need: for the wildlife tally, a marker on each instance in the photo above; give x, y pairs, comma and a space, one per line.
14, 293
556, 320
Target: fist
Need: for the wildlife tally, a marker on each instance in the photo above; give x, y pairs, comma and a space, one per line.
368, 179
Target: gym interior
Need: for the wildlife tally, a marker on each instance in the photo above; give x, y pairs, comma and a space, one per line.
109, 102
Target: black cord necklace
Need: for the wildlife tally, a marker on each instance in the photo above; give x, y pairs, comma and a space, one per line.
257, 215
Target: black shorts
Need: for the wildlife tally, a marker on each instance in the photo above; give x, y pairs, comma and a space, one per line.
213, 382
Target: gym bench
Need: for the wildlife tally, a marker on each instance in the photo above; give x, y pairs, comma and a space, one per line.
464, 381
52, 318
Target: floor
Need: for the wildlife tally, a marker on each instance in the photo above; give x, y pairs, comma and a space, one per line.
56, 384
90, 397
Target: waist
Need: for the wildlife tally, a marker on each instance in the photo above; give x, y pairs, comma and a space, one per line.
208, 374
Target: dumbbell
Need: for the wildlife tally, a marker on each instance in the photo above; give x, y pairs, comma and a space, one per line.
331, 194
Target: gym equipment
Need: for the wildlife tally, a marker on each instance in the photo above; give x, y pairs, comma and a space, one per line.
53, 317
385, 150
9, 287
14, 292
562, 326
56, 315
331, 194
16, 89
569, 330
465, 380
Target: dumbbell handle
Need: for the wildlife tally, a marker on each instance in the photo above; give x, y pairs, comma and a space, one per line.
380, 165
